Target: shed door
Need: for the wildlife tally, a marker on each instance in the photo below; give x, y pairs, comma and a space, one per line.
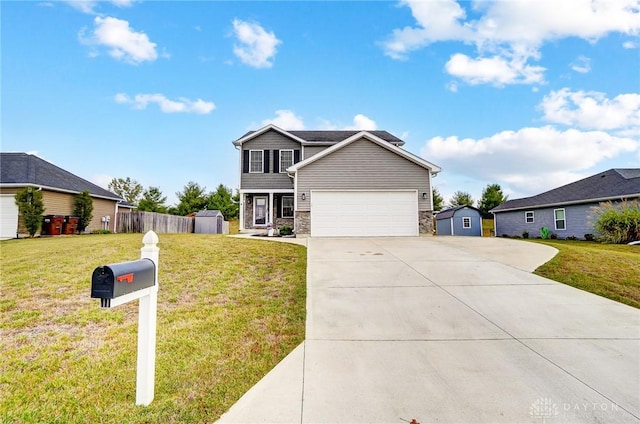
364, 213
8, 216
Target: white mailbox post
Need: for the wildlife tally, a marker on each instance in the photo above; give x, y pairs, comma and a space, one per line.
117, 284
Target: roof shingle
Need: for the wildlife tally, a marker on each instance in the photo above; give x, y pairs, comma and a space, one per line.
23, 168
611, 184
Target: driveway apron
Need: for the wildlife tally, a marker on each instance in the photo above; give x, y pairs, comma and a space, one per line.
414, 328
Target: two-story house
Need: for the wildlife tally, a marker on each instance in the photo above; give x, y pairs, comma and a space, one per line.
333, 183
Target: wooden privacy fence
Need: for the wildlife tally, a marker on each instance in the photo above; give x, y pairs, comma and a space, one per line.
141, 222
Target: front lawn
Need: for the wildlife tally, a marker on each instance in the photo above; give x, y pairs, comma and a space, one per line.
229, 310
609, 270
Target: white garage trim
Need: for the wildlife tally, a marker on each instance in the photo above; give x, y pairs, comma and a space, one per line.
8, 216
364, 213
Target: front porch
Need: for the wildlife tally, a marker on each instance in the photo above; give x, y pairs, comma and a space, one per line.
259, 208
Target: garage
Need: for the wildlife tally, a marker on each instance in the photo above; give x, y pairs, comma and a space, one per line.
377, 213
8, 216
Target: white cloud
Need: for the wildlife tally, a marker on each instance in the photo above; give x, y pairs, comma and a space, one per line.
494, 70
101, 180
182, 105
582, 64
124, 43
285, 119
360, 122
592, 110
508, 34
630, 45
255, 47
530, 160
89, 6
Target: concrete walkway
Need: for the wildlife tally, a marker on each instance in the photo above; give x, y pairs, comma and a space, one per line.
435, 329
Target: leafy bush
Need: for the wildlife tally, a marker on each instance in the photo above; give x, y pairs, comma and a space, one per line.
589, 237
572, 238
553, 236
286, 230
100, 232
83, 209
525, 234
617, 223
505, 235
30, 207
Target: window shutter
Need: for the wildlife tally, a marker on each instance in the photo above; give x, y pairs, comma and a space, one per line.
245, 161
296, 156
276, 162
278, 202
266, 161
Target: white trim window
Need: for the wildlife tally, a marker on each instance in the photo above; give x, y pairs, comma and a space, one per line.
560, 219
529, 217
287, 207
256, 164
466, 222
286, 160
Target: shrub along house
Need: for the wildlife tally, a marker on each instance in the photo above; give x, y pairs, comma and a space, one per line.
566, 210
59, 188
333, 183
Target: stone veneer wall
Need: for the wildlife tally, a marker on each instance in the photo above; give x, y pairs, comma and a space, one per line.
283, 221
248, 214
303, 222
425, 219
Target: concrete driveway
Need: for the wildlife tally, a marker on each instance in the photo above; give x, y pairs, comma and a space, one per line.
437, 330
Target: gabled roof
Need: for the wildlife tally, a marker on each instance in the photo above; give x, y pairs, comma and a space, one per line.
608, 185
448, 213
373, 138
208, 213
317, 137
22, 169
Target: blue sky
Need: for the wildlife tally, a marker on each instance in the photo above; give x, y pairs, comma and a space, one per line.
527, 94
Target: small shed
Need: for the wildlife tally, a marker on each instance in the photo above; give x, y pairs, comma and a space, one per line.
209, 222
459, 221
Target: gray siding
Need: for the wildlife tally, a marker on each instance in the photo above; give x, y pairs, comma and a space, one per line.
444, 225
312, 150
271, 140
363, 165
578, 221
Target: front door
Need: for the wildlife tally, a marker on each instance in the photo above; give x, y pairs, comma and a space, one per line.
259, 210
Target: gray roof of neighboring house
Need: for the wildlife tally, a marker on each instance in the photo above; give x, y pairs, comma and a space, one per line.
607, 185
335, 136
448, 213
22, 169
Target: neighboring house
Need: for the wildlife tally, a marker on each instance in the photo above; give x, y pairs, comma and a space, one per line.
459, 221
566, 210
59, 188
333, 183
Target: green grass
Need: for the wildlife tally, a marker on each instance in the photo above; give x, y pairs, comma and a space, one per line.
608, 270
229, 310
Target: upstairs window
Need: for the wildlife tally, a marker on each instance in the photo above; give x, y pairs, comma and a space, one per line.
255, 161
286, 160
528, 217
466, 222
560, 219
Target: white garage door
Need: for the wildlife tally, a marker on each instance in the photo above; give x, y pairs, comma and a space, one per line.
8, 216
364, 213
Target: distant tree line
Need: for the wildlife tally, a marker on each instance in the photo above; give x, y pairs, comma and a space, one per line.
192, 198
492, 196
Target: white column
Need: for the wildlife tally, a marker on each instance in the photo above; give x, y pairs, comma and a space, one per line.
147, 314
273, 224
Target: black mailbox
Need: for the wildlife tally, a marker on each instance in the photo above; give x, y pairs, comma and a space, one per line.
115, 280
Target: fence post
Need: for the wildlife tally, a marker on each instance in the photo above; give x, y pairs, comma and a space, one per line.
146, 367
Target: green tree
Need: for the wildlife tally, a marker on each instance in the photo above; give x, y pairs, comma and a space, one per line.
191, 199
223, 200
30, 207
438, 200
83, 209
492, 196
130, 190
153, 201
461, 198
